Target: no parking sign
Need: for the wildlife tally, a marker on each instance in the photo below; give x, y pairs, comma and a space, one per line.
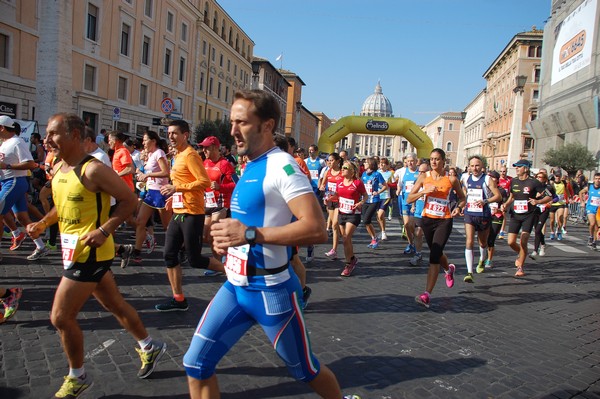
167, 106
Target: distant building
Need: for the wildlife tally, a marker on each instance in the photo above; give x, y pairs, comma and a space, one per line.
444, 132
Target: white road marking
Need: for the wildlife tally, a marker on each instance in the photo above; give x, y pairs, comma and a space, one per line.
100, 349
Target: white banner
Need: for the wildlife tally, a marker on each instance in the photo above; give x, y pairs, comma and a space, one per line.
573, 48
27, 127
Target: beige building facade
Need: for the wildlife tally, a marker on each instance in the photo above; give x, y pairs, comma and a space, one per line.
471, 137
444, 132
113, 62
512, 100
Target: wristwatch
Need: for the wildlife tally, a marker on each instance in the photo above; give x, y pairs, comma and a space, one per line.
250, 236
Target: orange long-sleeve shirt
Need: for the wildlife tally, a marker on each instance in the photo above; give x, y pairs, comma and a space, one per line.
190, 179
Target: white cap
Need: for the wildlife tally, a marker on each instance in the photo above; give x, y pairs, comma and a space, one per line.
6, 121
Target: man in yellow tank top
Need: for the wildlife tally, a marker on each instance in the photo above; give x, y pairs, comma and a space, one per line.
81, 188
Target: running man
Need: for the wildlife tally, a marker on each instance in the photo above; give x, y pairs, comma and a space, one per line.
406, 178
522, 202
504, 182
375, 184
480, 191
81, 189
591, 208
261, 287
437, 218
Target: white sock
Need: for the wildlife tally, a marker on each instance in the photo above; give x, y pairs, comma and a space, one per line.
77, 373
469, 259
145, 342
39, 243
482, 253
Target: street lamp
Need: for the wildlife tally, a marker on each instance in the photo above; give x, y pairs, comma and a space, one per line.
439, 140
520, 82
255, 71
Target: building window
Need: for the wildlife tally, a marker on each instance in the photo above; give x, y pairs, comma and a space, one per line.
536, 95
148, 8
449, 146
125, 31
89, 79
226, 94
182, 69
213, 54
201, 81
527, 144
537, 74
184, 32
219, 90
204, 47
165, 95
215, 27
451, 126
223, 30
221, 60
146, 51
92, 22
170, 18
3, 51
167, 70
228, 65
210, 86
122, 89
143, 94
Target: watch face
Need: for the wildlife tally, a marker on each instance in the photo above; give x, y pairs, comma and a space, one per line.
250, 235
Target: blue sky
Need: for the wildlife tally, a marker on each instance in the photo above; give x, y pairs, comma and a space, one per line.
429, 55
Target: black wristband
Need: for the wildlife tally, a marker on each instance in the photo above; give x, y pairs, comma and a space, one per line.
104, 232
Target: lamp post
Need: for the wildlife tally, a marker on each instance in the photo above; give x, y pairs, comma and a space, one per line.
255, 72
460, 152
298, 109
516, 139
439, 138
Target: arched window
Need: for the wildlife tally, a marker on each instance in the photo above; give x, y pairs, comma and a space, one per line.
449, 146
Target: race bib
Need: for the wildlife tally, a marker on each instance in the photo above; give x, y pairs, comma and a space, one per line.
369, 188
209, 199
177, 200
436, 207
314, 174
236, 265
408, 186
595, 201
474, 195
332, 187
68, 243
521, 206
346, 205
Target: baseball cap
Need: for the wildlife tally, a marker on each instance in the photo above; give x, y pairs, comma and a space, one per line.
210, 140
522, 162
6, 121
558, 172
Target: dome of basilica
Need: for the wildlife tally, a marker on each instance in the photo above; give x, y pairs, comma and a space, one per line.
377, 104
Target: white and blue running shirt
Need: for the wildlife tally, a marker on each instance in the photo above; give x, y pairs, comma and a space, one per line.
260, 199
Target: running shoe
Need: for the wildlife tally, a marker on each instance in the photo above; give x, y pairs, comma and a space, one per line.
416, 259
450, 275
332, 254
349, 268
520, 272
126, 255
51, 247
38, 253
172, 306
389, 218
552, 236
150, 357
137, 259
559, 236
149, 244
590, 241
11, 304
351, 397
533, 255
306, 291
212, 273
501, 235
480, 267
593, 247
73, 387
17, 241
409, 249
488, 264
468, 278
564, 231
542, 251
423, 299
383, 236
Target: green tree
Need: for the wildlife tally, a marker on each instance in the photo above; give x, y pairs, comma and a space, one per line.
570, 157
218, 128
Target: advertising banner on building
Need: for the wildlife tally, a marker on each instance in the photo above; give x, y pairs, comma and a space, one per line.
27, 127
573, 48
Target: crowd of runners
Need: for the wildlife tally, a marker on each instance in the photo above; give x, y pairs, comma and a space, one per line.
248, 213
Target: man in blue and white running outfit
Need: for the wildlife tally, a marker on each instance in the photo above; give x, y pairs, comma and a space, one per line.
591, 208
406, 178
261, 286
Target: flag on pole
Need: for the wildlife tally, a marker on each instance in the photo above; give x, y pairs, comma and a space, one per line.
279, 57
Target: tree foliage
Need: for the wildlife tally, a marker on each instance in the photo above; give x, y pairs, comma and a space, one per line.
570, 157
218, 128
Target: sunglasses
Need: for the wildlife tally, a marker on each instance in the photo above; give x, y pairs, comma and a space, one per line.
345, 167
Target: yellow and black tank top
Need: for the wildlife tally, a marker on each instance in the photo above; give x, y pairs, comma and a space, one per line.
81, 211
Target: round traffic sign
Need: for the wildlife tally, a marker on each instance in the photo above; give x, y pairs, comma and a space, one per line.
167, 106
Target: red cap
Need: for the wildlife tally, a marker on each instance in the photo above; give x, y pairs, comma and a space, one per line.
210, 140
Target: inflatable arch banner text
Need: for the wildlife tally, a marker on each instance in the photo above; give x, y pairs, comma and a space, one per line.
374, 125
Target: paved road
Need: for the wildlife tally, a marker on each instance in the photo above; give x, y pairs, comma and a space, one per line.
536, 337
